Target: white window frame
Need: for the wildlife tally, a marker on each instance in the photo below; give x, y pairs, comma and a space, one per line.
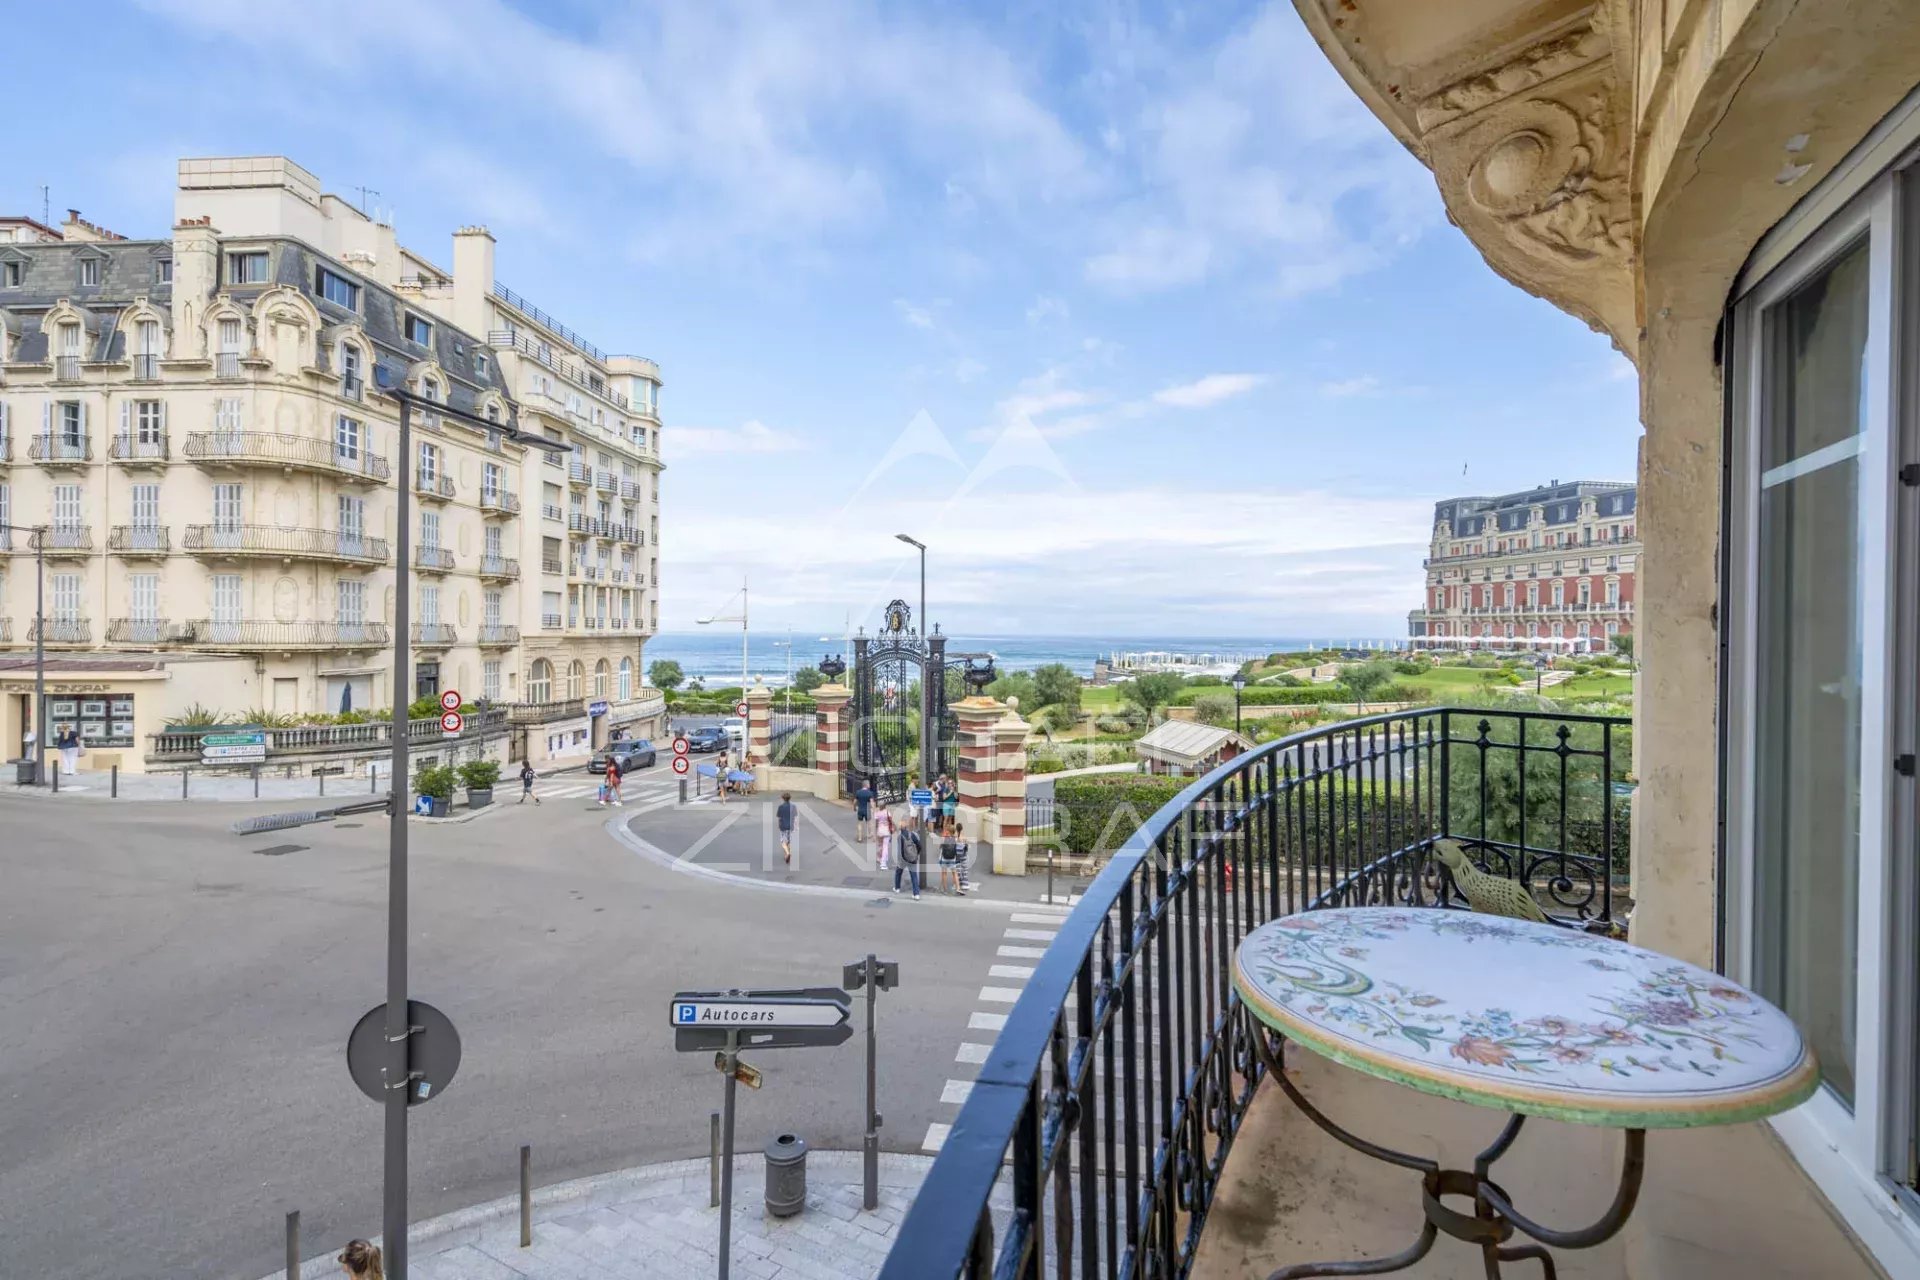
1858, 1156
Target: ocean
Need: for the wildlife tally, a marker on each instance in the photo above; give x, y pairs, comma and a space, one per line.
714, 656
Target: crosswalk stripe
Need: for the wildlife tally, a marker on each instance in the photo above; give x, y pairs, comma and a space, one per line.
1034, 917
974, 1053
1023, 953
1035, 935
986, 1021
1000, 995
1010, 971
956, 1091
936, 1137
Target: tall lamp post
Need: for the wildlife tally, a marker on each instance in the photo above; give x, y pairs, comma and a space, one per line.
394, 1197
39, 534
1239, 683
926, 759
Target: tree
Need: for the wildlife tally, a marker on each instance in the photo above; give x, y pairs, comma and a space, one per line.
1055, 685
696, 685
666, 674
1214, 709
1362, 681
807, 679
1623, 645
1152, 692
1016, 684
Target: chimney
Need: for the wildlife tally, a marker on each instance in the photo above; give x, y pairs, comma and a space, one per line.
472, 279
196, 263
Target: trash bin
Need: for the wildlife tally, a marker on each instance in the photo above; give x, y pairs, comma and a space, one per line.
23, 771
786, 1175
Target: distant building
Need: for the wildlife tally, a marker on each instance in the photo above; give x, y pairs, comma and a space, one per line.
1547, 568
1188, 747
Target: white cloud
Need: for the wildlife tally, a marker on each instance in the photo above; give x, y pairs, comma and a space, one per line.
1347, 388
752, 436
917, 316
1046, 307
1208, 391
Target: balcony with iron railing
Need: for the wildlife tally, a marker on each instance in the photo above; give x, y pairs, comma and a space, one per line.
499, 568
545, 321
606, 482
283, 543
579, 473
1099, 1135
430, 559
142, 631
630, 490
269, 634
226, 364
581, 524
60, 630
496, 635
61, 449
138, 540
432, 486
549, 622
552, 511
180, 745
220, 449
499, 502
6, 445
132, 450
66, 369
6, 630
434, 635
67, 540
551, 564
146, 367
352, 388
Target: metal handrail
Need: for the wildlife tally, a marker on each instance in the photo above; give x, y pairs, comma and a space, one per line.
267, 633
283, 541
127, 447
433, 559
284, 450
138, 539
432, 486
546, 321
499, 567
61, 630
1156, 1047
498, 634
66, 539
499, 500
60, 447
435, 634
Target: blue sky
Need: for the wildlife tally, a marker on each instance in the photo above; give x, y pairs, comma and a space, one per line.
1132, 313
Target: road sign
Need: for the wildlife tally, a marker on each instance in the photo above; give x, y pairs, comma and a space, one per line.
248, 738
785, 1019
746, 1075
886, 975
433, 1053
681, 764
452, 722
920, 798
681, 746
234, 755
740, 708
450, 700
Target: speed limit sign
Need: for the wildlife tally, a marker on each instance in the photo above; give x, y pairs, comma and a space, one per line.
681, 746
740, 708
452, 722
450, 700
681, 764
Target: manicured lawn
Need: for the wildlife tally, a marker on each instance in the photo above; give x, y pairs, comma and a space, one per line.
1439, 678
1592, 688
1097, 698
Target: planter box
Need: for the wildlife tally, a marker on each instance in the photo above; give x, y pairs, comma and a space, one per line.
479, 797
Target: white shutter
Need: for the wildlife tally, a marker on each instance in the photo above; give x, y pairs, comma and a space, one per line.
163, 415
46, 419
83, 419
126, 418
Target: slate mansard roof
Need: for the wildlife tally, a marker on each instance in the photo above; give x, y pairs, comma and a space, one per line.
129, 269
1560, 504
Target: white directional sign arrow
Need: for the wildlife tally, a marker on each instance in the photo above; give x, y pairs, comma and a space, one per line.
747, 1013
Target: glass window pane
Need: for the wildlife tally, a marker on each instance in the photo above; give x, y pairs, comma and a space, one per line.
1808, 658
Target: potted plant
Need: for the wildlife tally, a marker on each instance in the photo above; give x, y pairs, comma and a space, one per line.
478, 777
434, 784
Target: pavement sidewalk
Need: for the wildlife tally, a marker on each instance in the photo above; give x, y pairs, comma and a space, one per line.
655, 1223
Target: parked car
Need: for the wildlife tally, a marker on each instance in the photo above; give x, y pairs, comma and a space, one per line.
708, 737
636, 753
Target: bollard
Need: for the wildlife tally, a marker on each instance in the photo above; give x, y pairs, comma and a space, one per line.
373, 780
786, 1175
113, 782
56, 777
683, 791
183, 784
293, 1245
256, 781
1049, 875
526, 1197
323, 783
713, 1160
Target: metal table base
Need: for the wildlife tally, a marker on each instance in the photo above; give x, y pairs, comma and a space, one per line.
1493, 1220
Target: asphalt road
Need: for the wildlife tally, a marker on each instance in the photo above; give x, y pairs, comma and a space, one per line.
174, 1007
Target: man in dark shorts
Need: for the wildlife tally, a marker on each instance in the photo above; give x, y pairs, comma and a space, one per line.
786, 814
863, 811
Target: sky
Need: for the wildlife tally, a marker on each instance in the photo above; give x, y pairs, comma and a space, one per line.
1132, 313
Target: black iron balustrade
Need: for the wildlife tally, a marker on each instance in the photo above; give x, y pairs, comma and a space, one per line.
284, 541
268, 633
1113, 1094
271, 448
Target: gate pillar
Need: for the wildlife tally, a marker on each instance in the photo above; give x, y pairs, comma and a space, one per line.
830, 754
993, 779
759, 700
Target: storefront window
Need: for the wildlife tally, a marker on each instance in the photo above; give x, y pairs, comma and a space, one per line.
103, 719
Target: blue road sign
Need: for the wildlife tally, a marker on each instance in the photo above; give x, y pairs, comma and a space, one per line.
921, 797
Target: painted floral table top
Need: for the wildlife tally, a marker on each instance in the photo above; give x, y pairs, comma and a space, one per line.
1524, 1017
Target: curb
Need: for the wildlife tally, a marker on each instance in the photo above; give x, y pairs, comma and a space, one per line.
897, 1170
617, 828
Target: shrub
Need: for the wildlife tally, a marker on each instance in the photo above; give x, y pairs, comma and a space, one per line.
1046, 764
478, 775
1406, 667
1097, 814
199, 717
1113, 724
351, 717
435, 781
1214, 709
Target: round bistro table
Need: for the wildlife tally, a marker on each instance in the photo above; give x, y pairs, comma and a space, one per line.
1525, 1018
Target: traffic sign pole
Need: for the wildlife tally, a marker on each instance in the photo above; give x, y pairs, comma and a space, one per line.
726, 1155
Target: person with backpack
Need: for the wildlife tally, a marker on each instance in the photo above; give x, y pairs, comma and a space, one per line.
911, 848
526, 782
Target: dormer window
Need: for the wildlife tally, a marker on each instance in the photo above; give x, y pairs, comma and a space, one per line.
351, 379
339, 290
247, 268
11, 274
419, 330
89, 272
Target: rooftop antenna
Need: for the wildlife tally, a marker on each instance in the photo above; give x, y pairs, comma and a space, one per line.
364, 193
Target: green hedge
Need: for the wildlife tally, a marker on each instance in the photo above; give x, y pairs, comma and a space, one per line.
1097, 814
1268, 695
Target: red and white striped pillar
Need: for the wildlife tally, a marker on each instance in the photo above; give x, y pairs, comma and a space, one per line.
831, 743
759, 700
993, 779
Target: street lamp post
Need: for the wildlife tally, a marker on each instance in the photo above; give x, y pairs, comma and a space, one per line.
741, 618
398, 1030
1239, 683
39, 534
926, 740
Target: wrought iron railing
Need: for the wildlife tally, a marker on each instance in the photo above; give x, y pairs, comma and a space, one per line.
137, 540
495, 634
1112, 1096
429, 485
131, 448
267, 633
499, 501
279, 540
61, 630
67, 539
146, 368
433, 559
579, 472
138, 631
434, 635
62, 447
499, 567
276, 449
331, 737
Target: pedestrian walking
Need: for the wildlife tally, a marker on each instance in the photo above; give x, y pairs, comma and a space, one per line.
949, 864
882, 834
962, 856
526, 782
720, 777
361, 1261
610, 788
785, 815
69, 744
863, 811
911, 849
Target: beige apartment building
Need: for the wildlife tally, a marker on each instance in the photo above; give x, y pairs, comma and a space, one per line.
195, 422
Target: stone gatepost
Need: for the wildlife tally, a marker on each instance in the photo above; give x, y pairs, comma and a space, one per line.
992, 746
759, 700
830, 749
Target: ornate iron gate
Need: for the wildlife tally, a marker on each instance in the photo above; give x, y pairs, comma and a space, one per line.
888, 738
